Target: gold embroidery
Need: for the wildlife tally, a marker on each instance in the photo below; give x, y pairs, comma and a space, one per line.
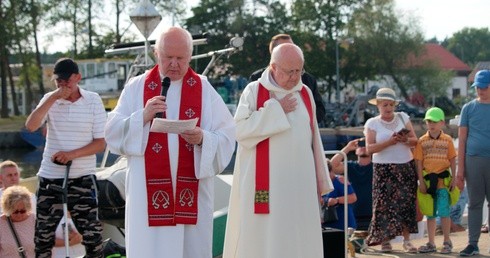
262, 196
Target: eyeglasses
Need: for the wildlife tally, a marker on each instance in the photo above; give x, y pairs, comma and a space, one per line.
23, 211
292, 72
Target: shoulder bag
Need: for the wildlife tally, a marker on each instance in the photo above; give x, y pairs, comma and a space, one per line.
20, 248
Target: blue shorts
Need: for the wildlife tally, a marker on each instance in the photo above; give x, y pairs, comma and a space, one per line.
442, 205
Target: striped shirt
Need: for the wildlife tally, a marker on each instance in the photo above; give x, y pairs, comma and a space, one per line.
72, 125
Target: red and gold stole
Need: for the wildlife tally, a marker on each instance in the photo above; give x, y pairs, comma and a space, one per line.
262, 154
165, 208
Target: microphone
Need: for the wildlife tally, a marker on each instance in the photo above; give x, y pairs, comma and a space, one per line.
165, 86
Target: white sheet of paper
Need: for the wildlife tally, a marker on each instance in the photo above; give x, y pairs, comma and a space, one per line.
162, 125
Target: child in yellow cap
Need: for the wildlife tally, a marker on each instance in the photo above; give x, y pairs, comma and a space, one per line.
435, 158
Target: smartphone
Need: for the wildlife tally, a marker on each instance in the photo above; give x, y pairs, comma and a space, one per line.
403, 131
361, 143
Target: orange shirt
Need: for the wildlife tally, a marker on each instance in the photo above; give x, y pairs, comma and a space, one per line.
435, 153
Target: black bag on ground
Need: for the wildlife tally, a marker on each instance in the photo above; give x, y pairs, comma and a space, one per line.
111, 183
329, 213
112, 249
111, 205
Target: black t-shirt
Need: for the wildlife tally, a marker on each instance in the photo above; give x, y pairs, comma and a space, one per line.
361, 179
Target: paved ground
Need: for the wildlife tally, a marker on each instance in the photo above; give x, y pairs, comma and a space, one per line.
459, 240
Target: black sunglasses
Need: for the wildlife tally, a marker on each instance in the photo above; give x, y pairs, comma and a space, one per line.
19, 211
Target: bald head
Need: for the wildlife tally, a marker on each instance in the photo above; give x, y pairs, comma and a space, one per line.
285, 52
286, 65
178, 34
174, 52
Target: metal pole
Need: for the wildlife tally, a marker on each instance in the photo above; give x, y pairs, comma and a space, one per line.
146, 53
346, 203
173, 12
337, 75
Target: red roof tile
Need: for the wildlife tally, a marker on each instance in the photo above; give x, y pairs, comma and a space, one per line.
442, 56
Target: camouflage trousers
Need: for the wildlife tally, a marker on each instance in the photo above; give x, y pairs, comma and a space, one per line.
82, 205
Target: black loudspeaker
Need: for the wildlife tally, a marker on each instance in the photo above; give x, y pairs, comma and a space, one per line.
333, 243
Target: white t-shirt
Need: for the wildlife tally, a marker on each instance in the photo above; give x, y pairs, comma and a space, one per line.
72, 125
77, 250
398, 153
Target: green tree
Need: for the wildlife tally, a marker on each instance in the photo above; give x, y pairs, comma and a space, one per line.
384, 46
15, 31
318, 26
470, 45
225, 19
36, 12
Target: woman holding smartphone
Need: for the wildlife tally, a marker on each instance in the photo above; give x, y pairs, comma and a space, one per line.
389, 137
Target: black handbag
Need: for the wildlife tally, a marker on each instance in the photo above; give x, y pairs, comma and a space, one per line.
329, 213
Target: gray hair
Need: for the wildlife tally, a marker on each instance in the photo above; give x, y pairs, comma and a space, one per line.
159, 43
14, 194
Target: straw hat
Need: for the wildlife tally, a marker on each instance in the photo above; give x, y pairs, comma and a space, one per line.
384, 94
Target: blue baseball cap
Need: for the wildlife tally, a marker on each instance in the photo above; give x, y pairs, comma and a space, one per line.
482, 79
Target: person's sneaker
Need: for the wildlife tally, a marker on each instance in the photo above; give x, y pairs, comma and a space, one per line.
427, 248
447, 247
470, 250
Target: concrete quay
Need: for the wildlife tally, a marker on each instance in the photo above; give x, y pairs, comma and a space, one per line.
459, 240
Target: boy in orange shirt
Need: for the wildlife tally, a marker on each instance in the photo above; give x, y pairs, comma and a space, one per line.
435, 157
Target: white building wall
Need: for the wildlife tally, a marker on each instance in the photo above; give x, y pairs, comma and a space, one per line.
459, 82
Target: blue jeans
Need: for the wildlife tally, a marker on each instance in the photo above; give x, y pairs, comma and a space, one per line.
458, 209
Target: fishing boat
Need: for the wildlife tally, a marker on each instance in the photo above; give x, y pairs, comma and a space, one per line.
36, 139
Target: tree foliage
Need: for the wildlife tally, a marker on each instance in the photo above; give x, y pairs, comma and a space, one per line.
225, 19
382, 42
470, 45
383, 45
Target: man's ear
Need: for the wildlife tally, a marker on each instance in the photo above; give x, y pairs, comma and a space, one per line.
78, 77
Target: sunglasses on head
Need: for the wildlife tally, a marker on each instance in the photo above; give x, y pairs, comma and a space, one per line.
19, 211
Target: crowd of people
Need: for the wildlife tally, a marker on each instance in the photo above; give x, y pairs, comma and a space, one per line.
281, 175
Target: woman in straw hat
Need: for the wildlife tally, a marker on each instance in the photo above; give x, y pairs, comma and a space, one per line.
389, 137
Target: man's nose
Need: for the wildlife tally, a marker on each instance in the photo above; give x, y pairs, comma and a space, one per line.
173, 62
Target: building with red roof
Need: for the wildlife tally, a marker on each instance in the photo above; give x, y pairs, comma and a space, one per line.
485, 65
449, 62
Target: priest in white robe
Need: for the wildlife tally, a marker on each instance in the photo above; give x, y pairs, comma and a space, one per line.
275, 199
168, 174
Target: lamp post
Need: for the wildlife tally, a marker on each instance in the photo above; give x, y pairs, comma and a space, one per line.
146, 18
337, 66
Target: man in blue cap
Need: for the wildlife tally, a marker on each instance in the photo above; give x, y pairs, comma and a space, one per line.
474, 157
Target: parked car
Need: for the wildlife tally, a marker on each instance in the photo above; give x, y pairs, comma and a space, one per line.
411, 110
